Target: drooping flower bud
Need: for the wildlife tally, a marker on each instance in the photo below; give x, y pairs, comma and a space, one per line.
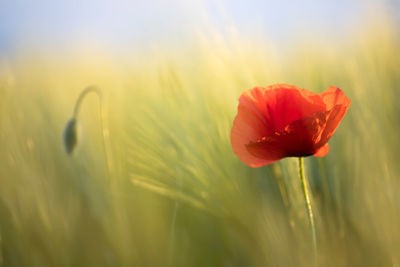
70, 136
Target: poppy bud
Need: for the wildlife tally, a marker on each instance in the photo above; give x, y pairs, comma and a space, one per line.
70, 136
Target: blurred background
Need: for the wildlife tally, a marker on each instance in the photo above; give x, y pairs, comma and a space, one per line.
153, 180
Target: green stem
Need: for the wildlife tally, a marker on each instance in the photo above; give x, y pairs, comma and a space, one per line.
86, 91
309, 209
103, 123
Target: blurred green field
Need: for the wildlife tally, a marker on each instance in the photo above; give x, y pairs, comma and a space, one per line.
169, 191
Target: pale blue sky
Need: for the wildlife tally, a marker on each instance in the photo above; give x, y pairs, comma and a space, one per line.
121, 24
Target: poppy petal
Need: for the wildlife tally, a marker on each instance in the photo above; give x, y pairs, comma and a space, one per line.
246, 128
298, 139
268, 148
303, 135
334, 96
322, 151
332, 123
279, 105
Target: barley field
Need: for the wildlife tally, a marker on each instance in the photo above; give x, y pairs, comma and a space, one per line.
153, 180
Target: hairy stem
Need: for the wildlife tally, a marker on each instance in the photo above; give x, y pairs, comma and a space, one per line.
103, 122
309, 209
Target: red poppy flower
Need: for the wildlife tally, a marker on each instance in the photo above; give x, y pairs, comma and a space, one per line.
285, 121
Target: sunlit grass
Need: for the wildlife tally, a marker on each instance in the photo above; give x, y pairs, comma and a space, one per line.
176, 195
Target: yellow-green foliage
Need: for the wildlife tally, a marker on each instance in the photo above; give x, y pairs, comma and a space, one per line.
165, 188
